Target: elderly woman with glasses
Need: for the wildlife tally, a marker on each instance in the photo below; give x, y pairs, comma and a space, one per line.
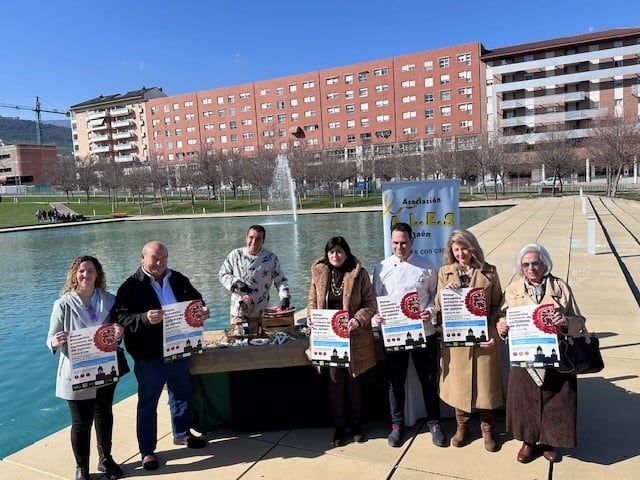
541, 403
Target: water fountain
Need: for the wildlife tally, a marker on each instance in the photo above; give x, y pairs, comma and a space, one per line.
282, 194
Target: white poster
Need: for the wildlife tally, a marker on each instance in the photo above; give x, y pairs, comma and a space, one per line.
430, 207
402, 328
464, 317
533, 341
330, 338
182, 329
92, 352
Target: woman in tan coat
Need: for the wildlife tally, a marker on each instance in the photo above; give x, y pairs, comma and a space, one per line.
542, 417
470, 376
338, 281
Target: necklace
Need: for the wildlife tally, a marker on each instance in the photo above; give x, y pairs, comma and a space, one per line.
465, 274
336, 287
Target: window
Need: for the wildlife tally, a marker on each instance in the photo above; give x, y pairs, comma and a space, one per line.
409, 130
309, 99
351, 124
209, 139
265, 105
247, 122
378, 72
381, 88
428, 82
363, 92
191, 129
364, 107
188, 103
334, 138
310, 113
233, 125
333, 110
222, 126
221, 112
332, 80
268, 133
312, 141
294, 102
362, 76
232, 111
382, 118
428, 97
429, 113
443, 62
444, 79
407, 115
351, 138
206, 101
428, 65
382, 103
468, 124
231, 99
408, 83
309, 84
294, 116
280, 91
409, 99
220, 100
445, 111
446, 127
429, 129
383, 133
207, 113
464, 58
251, 148
247, 135
192, 141
466, 75
265, 91
190, 116
245, 108
332, 95
223, 139
465, 107
178, 132
280, 104
310, 128
445, 95
465, 91
348, 94
293, 88
348, 79
334, 124
364, 122
176, 106
245, 95
266, 119
410, 67
350, 108
281, 118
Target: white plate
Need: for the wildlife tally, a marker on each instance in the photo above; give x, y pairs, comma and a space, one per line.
259, 341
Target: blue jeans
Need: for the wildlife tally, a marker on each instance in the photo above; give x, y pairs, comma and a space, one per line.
152, 374
426, 363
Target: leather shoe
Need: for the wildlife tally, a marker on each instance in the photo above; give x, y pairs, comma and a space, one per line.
525, 454
549, 453
150, 462
190, 441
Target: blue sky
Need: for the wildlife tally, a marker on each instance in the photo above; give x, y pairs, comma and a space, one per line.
69, 51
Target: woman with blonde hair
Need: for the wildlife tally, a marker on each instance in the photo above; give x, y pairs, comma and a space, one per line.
470, 376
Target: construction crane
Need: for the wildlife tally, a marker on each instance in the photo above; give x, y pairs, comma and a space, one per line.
38, 109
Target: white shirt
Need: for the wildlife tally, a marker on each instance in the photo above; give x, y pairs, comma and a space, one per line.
394, 276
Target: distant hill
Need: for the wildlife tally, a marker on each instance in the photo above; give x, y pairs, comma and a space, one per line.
14, 130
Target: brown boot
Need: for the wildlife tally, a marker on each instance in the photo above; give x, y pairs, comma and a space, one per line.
461, 437
486, 425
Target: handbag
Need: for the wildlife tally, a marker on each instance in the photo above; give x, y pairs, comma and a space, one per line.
580, 354
123, 365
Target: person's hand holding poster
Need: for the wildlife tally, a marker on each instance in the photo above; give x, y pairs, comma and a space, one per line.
330, 338
183, 325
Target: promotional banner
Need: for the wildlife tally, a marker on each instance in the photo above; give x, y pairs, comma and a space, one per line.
92, 352
464, 317
330, 340
430, 207
533, 341
402, 328
182, 329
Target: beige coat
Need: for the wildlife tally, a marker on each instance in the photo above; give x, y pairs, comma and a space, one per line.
470, 376
359, 300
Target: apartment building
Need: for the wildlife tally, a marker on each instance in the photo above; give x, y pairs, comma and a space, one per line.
113, 127
404, 102
408, 103
562, 84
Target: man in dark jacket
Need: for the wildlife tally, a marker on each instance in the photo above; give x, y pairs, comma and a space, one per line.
138, 308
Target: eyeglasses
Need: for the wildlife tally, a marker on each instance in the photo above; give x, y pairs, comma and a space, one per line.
533, 264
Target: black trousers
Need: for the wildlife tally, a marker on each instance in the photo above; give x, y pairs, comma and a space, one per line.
343, 386
83, 415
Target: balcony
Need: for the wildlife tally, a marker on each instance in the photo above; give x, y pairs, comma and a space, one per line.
553, 118
125, 158
118, 147
94, 125
544, 101
635, 90
95, 115
103, 149
121, 123
121, 135
98, 138
119, 112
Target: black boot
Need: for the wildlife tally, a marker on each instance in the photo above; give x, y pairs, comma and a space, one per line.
82, 468
107, 465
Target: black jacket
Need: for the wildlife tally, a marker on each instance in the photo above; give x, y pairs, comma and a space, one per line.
134, 299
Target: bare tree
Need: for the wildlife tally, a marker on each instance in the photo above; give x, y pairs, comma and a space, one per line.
259, 171
558, 152
490, 157
333, 170
110, 177
137, 181
63, 176
300, 161
86, 178
613, 145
